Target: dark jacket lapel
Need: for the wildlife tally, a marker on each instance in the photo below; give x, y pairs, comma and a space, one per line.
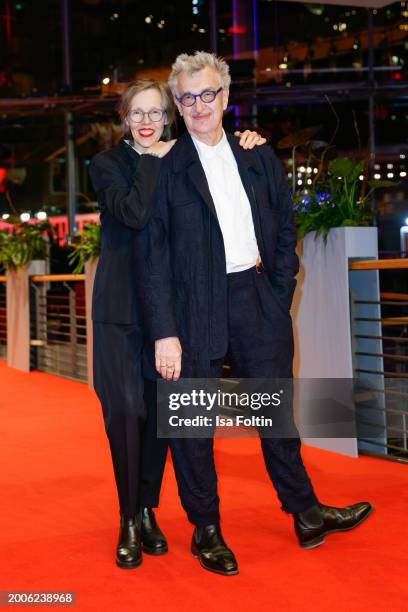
248, 163
187, 157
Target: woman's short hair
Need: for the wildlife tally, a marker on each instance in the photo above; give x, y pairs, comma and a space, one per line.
193, 63
137, 87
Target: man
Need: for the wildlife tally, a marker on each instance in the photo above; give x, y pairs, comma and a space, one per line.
220, 275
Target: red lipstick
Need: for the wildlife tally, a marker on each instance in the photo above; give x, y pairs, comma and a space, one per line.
146, 132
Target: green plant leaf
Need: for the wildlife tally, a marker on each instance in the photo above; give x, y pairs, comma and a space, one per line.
342, 166
87, 246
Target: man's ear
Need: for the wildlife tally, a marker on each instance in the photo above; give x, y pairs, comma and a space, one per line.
225, 96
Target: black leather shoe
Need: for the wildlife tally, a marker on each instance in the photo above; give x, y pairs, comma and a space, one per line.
153, 540
209, 547
129, 550
320, 520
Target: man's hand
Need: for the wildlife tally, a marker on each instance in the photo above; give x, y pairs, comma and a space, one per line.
161, 148
249, 139
168, 358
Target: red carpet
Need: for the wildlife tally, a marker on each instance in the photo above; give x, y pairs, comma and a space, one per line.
59, 520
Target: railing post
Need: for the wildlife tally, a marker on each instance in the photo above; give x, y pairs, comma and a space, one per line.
3, 318
73, 340
18, 314
90, 271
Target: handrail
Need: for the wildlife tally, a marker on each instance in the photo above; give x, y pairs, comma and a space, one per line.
378, 264
394, 296
46, 278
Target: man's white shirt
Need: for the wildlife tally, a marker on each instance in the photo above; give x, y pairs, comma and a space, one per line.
231, 204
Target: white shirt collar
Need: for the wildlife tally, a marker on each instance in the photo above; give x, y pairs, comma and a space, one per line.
206, 151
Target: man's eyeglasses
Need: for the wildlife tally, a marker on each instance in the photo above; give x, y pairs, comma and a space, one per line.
137, 116
207, 96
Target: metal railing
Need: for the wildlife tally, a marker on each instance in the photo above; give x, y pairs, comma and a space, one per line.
58, 325
3, 318
379, 330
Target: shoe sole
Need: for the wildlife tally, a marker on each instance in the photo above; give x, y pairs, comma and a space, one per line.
129, 566
154, 551
320, 540
214, 571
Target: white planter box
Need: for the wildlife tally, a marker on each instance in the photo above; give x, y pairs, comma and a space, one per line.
321, 309
18, 314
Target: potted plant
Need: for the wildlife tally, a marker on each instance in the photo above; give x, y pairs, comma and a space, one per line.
23, 244
337, 194
333, 218
337, 199
87, 246
23, 252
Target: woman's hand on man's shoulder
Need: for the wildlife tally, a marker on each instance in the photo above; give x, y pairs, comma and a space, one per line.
250, 139
160, 149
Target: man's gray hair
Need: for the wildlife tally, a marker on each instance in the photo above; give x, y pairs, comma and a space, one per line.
193, 63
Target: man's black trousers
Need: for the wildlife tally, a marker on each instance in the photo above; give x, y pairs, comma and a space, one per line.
260, 346
138, 456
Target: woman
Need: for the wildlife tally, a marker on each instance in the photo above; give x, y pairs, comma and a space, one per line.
123, 177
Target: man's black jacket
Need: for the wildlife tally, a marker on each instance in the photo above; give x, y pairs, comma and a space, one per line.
183, 287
